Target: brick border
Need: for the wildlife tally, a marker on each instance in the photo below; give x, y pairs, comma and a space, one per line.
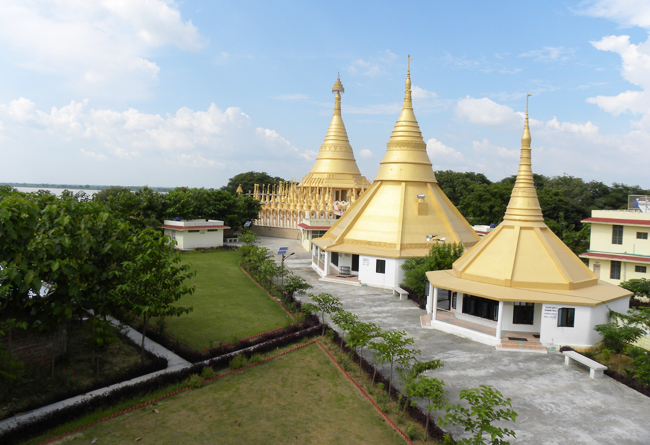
178, 391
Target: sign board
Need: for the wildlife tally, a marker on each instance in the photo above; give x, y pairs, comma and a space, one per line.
366, 262
550, 312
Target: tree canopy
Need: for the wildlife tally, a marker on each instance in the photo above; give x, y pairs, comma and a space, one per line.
248, 181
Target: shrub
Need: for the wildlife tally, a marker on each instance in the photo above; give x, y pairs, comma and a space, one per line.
412, 431
256, 358
195, 381
207, 373
238, 362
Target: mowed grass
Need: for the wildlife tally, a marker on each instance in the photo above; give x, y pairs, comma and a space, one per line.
227, 304
298, 398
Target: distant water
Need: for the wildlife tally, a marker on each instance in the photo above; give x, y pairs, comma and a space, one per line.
56, 192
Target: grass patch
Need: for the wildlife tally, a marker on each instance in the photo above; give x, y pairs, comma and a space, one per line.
301, 397
227, 304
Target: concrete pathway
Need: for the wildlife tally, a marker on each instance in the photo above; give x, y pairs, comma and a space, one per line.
174, 363
557, 404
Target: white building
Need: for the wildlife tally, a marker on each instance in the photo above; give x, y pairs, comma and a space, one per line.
521, 287
195, 233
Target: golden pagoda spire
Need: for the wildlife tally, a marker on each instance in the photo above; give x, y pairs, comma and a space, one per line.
406, 158
524, 204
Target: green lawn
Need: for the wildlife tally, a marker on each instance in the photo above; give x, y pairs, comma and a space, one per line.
227, 304
298, 398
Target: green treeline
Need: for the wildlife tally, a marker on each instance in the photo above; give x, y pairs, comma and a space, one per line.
79, 187
565, 201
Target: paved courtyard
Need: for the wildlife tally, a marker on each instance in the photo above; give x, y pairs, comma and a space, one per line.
557, 404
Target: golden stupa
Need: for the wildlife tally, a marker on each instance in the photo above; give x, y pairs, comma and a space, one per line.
404, 211
335, 166
522, 259
332, 185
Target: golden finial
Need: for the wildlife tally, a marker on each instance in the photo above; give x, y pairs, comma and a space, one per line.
338, 86
524, 204
408, 63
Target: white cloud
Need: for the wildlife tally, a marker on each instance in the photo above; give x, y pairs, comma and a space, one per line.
76, 135
486, 148
550, 54
366, 154
95, 45
487, 112
373, 66
625, 12
422, 94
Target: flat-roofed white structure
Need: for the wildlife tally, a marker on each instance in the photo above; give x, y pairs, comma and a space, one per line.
195, 233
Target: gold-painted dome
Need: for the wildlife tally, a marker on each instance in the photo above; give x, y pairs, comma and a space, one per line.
404, 205
522, 251
335, 165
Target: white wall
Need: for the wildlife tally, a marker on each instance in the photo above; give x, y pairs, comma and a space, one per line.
193, 240
392, 278
508, 313
586, 317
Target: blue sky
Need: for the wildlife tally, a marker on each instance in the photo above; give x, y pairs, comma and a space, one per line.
134, 92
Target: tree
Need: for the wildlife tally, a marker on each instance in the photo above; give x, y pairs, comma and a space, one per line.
486, 405
248, 181
457, 185
154, 279
618, 333
640, 287
294, 283
345, 320
325, 304
360, 335
411, 374
441, 256
431, 389
486, 204
393, 348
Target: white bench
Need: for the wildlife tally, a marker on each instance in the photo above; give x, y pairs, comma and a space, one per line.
403, 295
595, 368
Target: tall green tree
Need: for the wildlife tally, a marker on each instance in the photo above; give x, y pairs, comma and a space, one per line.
154, 279
457, 185
432, 390
486, 406
393, 348
324, 304
360, 336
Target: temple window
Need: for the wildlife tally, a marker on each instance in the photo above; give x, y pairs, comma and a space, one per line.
381, 266
566, 317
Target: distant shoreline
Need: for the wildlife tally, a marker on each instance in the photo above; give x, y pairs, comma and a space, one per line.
83, 187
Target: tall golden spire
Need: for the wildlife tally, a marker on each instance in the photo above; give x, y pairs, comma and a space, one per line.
406, 156
524, 204
335, 163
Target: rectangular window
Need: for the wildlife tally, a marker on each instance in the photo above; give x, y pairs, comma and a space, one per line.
566, 317
213, 230
641, 235
481, 307
193, 231
381, 266
615, 270
640, 269
335, 258
523, 313
454, 298
617, 234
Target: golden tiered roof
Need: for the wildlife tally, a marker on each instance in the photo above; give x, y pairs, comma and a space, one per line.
522, 259
335, 166
404, 205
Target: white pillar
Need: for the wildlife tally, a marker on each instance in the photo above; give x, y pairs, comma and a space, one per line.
434, 306
429, 298
328, 258
499, 320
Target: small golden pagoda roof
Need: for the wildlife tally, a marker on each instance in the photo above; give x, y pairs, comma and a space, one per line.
524, 254
404, 205
240, 190
335, 165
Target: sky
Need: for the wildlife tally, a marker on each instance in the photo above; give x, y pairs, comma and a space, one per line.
190, 93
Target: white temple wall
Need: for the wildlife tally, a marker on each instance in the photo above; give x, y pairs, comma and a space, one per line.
392, 277
193, 240
586, 317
